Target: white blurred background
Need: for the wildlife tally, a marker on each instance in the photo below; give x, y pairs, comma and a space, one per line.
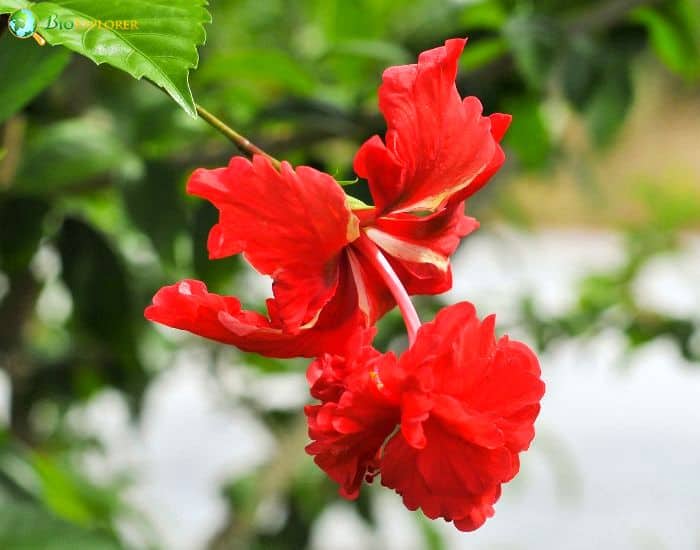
614, 465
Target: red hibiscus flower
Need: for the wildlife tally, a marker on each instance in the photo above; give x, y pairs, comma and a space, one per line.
298, 227
465, 403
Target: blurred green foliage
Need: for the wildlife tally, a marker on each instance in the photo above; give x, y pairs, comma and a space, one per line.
607, 300
92, 203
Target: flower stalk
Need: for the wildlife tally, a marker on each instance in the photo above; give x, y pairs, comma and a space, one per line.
243, 143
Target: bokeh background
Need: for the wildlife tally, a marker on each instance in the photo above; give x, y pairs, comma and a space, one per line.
115, 433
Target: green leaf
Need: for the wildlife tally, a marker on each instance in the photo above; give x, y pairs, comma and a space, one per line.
533, 40
675, 35
431, 535
9, 6
270, 365
160, 44
71, 153
378, 50
673, 205
217, 273
581, 71
71, 496
20, 85
97, 279
25, 216
261, 67
482, 52
25, 526
484, 15
339, 19
611, 101
160, 188
528, 135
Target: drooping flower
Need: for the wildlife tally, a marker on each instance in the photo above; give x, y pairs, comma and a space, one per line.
465, 403
298, 227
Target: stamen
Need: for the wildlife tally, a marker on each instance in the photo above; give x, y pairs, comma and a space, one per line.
374, 375
370, 251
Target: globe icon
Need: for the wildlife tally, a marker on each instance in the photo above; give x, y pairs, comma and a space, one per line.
22, 23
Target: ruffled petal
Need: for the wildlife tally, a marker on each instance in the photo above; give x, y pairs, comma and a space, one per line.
432, 353
468, 407
465, 404
291, 225
499, 125
189, 306
436, 144
349, 430
448, 477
